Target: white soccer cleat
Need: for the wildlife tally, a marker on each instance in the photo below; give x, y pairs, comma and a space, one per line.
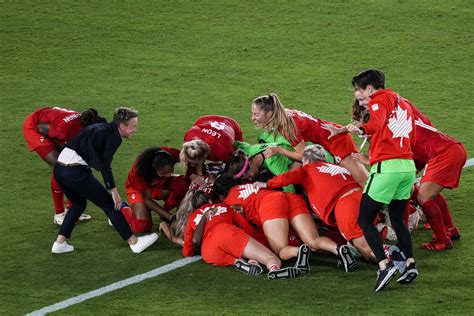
59, 218
144, 242
84, 217
61, 248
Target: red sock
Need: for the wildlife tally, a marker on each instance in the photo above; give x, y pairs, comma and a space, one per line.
58, 196
142, 226
435, 219
127, 213
137, 225
443, 206
68, 204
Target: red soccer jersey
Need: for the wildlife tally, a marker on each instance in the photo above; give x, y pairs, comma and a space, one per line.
64, 124
324, 183
309, 129
219, 132
223, 214
391, 125
136, 183
250, 198
427, 141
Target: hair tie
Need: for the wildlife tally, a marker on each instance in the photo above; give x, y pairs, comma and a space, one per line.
244, 168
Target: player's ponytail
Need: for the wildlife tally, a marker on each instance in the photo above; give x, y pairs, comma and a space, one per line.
91, 116
279, 122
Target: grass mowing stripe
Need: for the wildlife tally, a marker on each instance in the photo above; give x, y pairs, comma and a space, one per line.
115, 286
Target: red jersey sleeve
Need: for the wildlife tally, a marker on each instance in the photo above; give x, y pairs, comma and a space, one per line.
295, 176
378, 116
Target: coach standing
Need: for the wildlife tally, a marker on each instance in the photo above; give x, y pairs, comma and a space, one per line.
94, 147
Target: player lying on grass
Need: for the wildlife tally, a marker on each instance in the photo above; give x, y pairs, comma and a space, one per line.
46, 131
297, 128
224, 238
152, 179
275, 211
333, 195
441, 158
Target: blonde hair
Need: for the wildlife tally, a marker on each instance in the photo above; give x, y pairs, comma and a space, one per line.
195, 150
279, 122
183, 211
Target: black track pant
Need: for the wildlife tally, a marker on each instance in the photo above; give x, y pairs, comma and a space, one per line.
80, 185
369, 208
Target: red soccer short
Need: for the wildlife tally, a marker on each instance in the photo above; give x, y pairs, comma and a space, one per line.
293, 239
134, 197
445, 167
297, 205
341, 146
223, 244
35, 141
346, 213
272, 206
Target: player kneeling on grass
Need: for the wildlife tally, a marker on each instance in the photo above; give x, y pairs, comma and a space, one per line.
223, 237
94, 147
150, 179
333, 194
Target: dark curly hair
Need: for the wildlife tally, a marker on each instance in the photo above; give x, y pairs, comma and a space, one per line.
150, 160
91, 116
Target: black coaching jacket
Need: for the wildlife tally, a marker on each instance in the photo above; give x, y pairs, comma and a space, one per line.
97, 144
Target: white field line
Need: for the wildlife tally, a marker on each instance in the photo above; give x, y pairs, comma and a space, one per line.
115, 286
469, 163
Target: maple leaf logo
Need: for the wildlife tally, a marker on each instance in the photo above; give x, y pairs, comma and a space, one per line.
246, 190
400, 124
333, 170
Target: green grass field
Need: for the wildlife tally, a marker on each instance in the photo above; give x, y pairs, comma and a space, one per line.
177, 60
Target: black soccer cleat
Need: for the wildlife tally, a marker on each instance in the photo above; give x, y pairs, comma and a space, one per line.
302, 260
385, 276
247, 268
284, 273
409, 274
346, 259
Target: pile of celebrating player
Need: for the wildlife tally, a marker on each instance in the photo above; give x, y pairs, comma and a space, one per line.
301, 188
